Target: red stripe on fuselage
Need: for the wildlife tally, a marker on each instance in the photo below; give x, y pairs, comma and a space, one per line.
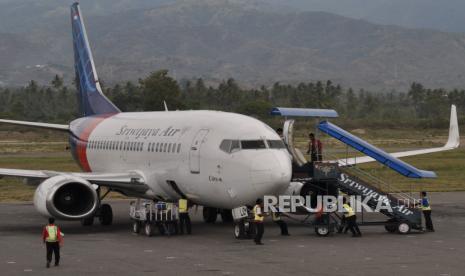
81, 147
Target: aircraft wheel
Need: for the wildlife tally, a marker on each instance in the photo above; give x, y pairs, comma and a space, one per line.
226, 216
106, 214
209, 214
87, 221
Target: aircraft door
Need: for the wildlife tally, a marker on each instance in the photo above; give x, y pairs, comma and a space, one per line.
194, 153
288, 133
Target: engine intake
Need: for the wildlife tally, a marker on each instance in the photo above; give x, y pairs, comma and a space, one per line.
66, 197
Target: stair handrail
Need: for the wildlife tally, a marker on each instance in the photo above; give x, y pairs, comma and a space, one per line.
381, 183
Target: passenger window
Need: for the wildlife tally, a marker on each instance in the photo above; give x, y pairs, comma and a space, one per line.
156, 147
169, 147
165, 145
179, 147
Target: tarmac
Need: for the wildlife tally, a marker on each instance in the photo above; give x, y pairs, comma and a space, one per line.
212, 249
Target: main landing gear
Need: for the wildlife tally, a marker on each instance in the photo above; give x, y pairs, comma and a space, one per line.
104, 213
210, 215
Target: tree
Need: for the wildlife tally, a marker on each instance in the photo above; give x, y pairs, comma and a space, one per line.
159, 87
57, 82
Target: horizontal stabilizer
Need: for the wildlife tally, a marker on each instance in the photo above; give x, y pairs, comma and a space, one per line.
377, 154
453, 142
34, 124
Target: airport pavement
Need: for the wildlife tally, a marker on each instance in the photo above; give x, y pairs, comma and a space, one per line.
212, 250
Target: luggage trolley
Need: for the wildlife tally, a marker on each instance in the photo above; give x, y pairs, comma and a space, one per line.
151, 215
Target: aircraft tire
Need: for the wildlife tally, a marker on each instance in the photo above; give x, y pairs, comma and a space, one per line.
106, 215
89, 221
209, 214
226, 216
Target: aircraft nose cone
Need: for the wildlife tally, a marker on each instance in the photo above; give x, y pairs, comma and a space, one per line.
271, 172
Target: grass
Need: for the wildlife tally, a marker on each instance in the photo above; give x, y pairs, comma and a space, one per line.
46, 152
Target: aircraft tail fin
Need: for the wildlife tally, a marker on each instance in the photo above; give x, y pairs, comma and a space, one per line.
91, 99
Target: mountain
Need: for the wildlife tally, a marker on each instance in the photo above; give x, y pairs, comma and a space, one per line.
251, 42
430, 14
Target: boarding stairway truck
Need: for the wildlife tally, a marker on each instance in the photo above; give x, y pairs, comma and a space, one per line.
352, 181
150, 215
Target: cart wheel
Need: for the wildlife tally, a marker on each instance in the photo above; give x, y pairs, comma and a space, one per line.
136, 227
169, 228
148, 229
176, 227
322, 230
239, 230
391, 225
403, 228
161, 228
390, 228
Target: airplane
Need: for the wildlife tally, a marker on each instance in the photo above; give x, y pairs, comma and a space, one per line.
215, 159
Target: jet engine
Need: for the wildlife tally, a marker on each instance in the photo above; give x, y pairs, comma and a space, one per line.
66, 197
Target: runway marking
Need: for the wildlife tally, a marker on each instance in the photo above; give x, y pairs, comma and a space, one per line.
148, 251
28, 270
11, 262
170, 258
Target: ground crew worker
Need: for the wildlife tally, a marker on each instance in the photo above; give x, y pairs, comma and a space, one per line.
258, 221
315, 148
184, 219
426, 209
53, 239
276, 216
280, 133
351, 219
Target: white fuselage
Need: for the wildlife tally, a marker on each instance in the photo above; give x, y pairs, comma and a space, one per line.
178, 152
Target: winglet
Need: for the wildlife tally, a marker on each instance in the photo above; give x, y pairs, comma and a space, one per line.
454, 137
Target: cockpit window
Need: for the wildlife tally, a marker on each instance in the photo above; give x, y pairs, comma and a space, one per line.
225, 145
253, 144
276, 144
229, 146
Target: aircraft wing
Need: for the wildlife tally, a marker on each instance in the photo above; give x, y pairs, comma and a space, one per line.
453, 142
131, 180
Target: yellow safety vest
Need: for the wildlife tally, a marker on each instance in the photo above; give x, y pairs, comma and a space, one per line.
52, 233
276, 216
257, 210
349, 211
425, 208
182, 205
